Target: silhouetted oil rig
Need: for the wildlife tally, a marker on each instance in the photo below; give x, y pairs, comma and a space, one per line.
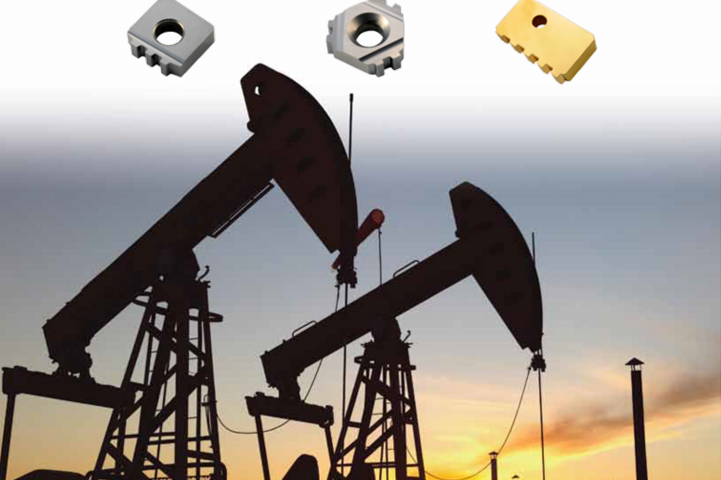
164, 421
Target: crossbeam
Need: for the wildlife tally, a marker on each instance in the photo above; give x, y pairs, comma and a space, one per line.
20, 380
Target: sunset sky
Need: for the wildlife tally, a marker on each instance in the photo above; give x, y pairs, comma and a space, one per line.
618, 172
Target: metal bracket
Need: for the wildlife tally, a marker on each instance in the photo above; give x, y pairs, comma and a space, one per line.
197, 36
375, 15
559, 46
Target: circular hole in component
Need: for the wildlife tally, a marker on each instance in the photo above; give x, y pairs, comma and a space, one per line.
369, 38
539, 21
369, 30
168, 32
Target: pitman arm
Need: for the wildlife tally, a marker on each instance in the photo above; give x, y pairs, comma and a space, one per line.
490, 247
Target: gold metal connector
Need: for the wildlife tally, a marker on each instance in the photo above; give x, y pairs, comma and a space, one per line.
557, 44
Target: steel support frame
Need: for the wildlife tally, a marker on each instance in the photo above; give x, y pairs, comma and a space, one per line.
261, 405
58, 386
385, 373
169, 357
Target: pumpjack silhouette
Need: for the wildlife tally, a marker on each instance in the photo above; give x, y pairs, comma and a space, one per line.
169, 379
381, 430
164, 420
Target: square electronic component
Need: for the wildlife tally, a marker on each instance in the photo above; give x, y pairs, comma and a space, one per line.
558, 45
196, 36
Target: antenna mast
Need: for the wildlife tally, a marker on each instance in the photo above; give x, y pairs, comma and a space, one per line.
350, 130
345, 347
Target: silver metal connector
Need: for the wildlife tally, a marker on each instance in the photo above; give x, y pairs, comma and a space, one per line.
196, 34
375, 15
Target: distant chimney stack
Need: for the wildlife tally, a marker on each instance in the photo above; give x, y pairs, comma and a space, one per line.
639, 429
494, 465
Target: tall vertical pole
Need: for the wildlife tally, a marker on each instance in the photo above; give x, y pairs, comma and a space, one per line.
261, 445
494, 465
7, 434
416, 426
350, 131
180, 310
211, 398
202, 318
540, 410
345, 347
538, 363
399, 434
639, 429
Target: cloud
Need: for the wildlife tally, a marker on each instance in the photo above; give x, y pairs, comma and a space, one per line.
606, 424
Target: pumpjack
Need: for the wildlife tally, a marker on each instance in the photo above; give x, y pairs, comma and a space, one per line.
491, 248
168, 384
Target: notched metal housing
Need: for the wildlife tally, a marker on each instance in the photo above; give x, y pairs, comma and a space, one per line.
376, 15
558, 45
169, 15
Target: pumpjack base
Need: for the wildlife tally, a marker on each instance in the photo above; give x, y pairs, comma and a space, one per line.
383, 436
20, 380
306, 466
